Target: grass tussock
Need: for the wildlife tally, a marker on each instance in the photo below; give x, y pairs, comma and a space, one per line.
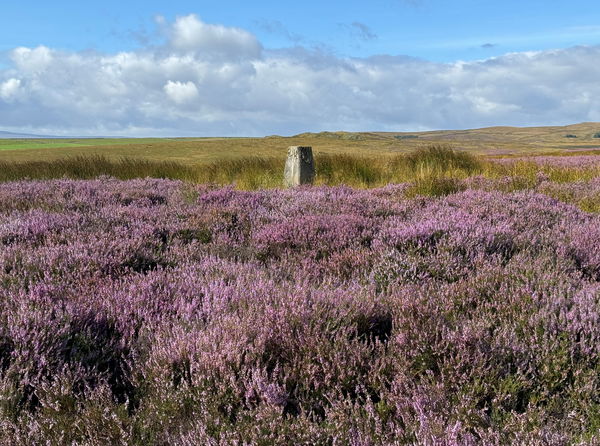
349, 169
433, 169
441, 159
246, 173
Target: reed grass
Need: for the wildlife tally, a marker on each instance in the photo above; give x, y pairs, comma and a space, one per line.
87, 167
435, 170
255, 172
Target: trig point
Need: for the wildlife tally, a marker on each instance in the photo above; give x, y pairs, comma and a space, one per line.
299, 167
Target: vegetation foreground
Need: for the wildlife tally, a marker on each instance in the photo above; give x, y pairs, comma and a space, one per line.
155, 311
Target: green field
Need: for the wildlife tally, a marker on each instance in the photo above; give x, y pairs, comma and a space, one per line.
54, 143
495, 141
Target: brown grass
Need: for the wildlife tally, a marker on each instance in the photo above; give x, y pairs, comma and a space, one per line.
494, 141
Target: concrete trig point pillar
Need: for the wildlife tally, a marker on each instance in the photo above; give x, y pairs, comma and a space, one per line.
299, 167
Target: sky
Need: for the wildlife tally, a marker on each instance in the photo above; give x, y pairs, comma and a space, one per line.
239, 68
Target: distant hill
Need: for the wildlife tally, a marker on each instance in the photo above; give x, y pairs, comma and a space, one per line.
9, 135
586, 131
491, 141
347, 136
583, 131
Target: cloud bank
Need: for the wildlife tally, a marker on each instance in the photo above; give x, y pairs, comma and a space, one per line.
214, 80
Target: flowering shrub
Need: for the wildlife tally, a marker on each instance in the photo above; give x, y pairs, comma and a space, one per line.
157, 312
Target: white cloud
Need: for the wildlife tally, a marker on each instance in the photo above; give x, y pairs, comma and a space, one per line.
36, 59
189, 33
9, 89
181, 92
215, 80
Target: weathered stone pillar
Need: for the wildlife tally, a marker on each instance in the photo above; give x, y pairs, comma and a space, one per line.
299, 167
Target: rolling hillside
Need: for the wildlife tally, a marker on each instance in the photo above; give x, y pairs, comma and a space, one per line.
493, 141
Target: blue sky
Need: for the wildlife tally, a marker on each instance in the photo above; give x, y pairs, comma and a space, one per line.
437, 30
228, 67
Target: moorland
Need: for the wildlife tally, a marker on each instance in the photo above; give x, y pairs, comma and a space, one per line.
430, 288
486, 141
365, 159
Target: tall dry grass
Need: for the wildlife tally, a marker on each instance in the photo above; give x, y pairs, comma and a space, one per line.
434, 170
257, 172
86, 167
530, 170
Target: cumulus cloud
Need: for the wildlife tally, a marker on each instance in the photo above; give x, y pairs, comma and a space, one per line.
33, 60
189, 33
215, 80
181, 92
9, 89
